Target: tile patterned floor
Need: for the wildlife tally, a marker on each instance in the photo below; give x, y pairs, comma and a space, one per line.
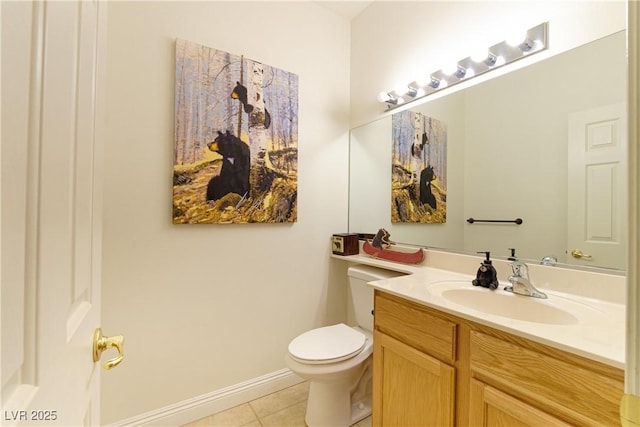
285, 408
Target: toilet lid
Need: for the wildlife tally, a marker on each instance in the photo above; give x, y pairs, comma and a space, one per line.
327, 344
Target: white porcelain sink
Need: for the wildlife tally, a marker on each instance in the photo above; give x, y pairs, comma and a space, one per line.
555, 310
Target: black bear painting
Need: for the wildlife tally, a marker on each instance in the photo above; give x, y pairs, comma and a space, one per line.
240, 93
426, 196
418, 169
234, 172
236, 139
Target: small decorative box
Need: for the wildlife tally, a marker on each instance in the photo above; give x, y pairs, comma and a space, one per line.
345, 244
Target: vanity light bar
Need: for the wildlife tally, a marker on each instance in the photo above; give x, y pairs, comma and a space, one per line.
533, 41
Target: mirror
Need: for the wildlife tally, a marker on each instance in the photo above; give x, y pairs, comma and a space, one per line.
507, 158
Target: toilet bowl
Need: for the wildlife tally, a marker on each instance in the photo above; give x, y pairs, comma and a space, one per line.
339, 387
337, 359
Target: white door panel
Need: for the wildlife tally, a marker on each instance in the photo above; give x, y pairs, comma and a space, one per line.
597, 187
15, 112
56, 381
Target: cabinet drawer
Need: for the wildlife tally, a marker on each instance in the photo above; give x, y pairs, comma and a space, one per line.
588, 395
491, 407
416, 326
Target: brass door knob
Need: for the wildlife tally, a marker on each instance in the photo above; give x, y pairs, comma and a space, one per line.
101, 343
577, 253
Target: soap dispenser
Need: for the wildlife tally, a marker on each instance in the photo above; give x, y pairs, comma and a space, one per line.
487, 276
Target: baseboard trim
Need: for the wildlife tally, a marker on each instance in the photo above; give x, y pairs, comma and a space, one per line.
219, 400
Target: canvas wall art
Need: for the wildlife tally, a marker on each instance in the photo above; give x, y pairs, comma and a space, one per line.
418, 169
235, 155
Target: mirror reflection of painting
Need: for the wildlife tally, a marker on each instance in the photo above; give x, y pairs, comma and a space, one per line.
236, 139
419, 168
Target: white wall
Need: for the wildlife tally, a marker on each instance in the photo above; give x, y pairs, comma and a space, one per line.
203, 307
393, 42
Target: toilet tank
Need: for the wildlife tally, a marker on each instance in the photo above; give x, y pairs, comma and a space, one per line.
362, 295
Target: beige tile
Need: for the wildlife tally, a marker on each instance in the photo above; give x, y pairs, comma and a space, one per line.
241, 415
365, 423
277, 401
293, 416
255, 423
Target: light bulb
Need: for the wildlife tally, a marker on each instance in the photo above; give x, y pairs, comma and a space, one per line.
401, 89
423, 81
383, 96
450, 69
516, 39
532, 45
437, 83
480, 56
412, 91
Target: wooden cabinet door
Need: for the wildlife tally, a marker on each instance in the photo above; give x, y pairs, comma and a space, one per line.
489, 407
410, 388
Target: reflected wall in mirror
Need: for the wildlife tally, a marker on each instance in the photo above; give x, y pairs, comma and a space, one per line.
509, 156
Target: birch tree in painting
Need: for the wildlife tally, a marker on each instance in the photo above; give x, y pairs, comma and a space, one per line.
236, 139
417, 120
257, 129
418, 169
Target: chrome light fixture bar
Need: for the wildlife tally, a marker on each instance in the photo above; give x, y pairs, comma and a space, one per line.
532, 41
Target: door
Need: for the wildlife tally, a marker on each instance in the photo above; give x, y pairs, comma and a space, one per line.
410, 388
490, 407
597, 187
53, 85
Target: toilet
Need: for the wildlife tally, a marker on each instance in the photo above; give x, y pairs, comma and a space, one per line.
336, 360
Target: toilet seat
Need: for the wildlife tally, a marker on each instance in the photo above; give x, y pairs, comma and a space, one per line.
328, 344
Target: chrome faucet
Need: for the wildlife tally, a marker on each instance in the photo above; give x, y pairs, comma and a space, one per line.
549, 260
520, 283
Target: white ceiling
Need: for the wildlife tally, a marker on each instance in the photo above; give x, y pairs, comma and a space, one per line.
348, 9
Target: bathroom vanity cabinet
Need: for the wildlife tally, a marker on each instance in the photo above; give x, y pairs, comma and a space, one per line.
434, 368
413, 365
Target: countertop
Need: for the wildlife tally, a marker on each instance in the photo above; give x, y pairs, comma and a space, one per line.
597, 334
